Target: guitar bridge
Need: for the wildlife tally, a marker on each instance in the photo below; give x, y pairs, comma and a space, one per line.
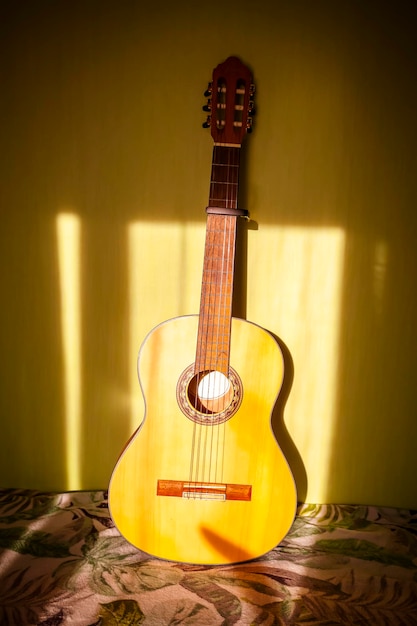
194, 490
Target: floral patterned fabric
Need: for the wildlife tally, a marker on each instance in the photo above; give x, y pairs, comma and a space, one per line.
63, 562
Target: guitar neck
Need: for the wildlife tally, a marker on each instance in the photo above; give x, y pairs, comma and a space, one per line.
213, 341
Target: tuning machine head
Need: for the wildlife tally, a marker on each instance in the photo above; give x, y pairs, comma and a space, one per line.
209, 90
207, 107
251, 108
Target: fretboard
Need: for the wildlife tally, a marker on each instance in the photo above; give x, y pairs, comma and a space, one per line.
224, 184
213, 342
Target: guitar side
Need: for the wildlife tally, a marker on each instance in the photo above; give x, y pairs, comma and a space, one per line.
241, 452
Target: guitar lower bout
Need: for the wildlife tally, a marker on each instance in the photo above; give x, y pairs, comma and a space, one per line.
202, 486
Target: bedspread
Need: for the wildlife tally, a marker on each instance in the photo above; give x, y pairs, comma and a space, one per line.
62, 562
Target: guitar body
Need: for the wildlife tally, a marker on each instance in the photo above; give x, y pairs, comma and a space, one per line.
214, 492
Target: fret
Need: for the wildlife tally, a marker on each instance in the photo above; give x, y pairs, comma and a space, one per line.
223, 183
222, 320
211, 359
214, 272
219, 364
218, 274
220, 353
213, 286
215, 304
214, 345
218, 260
217, 279
216, 250
223, 195
217, 325
215, 294
214, 200
221, 348
224, 175
211, 275
213, 236
216, 289
214, 342
223, 203
219, 166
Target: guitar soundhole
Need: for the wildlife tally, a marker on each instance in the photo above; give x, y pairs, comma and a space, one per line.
209, 397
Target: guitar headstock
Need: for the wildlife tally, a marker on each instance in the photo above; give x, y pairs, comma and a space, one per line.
230, 102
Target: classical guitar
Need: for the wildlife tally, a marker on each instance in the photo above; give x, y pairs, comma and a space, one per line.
203, 479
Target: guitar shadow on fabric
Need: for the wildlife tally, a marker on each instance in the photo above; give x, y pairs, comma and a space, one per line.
279, 428
233, 552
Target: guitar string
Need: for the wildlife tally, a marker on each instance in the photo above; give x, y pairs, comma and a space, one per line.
199, 431
221, 309
216, 277
219, 345
219, 305
234, 170
211, 304
209, 326
234, 152
198, 375
227, 306
223, 269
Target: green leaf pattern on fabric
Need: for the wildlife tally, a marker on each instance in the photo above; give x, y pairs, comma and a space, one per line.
62, 563
121, 613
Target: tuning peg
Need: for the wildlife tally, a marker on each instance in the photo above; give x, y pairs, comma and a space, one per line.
252, 89
207, 107
209, 90
207, 123
249, 125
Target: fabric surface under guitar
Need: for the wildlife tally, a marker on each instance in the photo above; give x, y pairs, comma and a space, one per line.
63, 562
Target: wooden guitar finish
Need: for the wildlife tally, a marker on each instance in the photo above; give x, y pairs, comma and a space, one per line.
203, 479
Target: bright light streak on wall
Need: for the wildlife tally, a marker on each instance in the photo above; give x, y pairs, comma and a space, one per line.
295, 282
165, 263
68, 236
380, 273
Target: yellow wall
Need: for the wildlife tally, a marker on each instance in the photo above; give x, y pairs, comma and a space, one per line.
105, 173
